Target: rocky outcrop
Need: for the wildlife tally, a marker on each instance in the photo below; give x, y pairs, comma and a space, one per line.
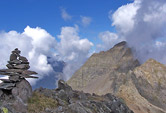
66, 100
116, 71
15, 91
150, 80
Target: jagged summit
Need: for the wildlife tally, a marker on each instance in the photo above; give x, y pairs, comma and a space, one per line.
116, 71
107, 65
123, 43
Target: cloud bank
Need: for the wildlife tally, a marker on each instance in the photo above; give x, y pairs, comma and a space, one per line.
142, 24
73, 49
37, 45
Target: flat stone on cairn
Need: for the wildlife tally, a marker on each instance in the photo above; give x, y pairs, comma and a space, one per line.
17, 71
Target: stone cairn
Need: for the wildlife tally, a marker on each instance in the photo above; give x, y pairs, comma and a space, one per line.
17, 71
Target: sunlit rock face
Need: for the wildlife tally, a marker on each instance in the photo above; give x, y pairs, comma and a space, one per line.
150, 80
112, 65
117, 71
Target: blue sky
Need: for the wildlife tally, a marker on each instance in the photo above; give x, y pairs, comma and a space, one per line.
17, 14
71, 30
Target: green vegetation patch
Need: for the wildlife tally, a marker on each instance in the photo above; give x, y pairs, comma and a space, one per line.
38, 103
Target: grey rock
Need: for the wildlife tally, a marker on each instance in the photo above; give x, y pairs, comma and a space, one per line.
1, 93
16, 51
27, 72
13, 57
23, 59
24, 62
4, 73
7, 86
6, 80
22, 66
63, 85
86, 103
27, 76
14, 78
22, 90
15, 91
11, 71
14, 62
9, 66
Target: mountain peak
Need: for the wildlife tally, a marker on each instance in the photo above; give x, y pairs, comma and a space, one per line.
106, 64
123, 43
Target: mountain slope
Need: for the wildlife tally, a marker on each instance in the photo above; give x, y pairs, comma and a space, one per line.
116, 71
150, 80
112, 64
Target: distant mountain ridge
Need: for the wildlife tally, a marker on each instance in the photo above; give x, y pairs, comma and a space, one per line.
116, 71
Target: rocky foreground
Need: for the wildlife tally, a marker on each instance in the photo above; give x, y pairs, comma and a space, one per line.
65, 100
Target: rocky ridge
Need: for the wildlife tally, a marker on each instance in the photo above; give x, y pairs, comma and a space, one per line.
116, 71
150, 80
66, 100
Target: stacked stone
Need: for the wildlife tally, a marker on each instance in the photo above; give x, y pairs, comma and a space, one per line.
17, 70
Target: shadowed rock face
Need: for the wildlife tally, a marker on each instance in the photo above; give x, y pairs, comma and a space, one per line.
116, 71
71, 101
15, 91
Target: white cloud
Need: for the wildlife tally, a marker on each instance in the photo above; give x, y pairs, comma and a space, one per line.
109, 39
142, 23
73, 49
65, 15
85, 20
37, 45
34, 43
123, 18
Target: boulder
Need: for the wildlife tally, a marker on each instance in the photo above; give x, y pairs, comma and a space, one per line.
22, 90
63, 85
